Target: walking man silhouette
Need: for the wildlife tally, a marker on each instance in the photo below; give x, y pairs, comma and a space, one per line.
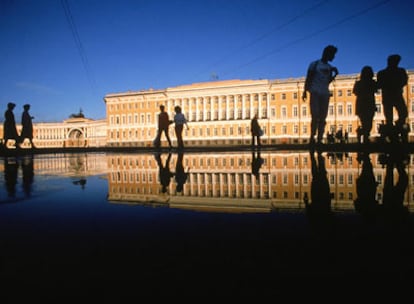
9, 126
27, 126
163, 126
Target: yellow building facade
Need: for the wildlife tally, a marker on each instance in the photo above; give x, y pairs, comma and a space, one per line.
72, 132
219, 112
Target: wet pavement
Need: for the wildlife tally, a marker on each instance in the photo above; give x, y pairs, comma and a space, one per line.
67, 242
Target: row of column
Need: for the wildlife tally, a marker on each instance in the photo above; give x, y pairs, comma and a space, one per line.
221, 106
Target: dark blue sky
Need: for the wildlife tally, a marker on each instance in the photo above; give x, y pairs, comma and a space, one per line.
61, 56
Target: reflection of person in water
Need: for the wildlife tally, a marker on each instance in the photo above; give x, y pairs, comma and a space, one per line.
257, 162
319, 209
28, 174
366, 188
81, 182
393, 193
180, 174
164, 172
10, 175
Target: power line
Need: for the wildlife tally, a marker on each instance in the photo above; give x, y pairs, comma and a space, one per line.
327, 28
273, 30
79, 45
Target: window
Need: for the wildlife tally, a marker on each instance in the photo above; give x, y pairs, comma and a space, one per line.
295, 111
295, 129
349, 109
331, 110
283, 112
340, 110
304, 111
379, 107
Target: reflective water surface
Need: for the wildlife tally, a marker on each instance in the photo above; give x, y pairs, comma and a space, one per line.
234, 223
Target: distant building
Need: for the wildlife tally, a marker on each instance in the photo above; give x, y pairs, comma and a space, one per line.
219, 112
72, 132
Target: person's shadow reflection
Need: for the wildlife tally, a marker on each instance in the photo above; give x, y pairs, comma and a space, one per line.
394, 190
257, 162
11, 167
319, 209
28, 175
180, 174
366, 189
164, 172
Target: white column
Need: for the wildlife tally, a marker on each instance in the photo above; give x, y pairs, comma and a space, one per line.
259, 107
243, 106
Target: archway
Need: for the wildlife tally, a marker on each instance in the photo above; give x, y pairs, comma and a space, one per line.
75, 138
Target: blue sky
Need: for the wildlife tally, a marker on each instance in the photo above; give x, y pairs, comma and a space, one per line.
63, 56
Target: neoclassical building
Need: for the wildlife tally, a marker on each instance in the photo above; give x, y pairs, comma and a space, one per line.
76, 131
219, 113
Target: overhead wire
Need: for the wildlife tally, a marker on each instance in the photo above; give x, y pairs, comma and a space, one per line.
306, 37
263, 36
79, 45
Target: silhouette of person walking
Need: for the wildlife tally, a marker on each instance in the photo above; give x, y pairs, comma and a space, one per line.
28, 174
11, 167
366, 189
256, 131
164, 172
319, 209
9, 126
27, 126
393, 192
364, 89
391, 81
180, 174
319, 75
163, 127
180, 121
257, 162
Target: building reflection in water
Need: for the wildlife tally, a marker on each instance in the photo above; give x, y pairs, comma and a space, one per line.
230, 182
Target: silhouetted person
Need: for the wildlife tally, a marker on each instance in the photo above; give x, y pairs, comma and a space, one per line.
393, 192
9, 125
10, 175
319, 75
180, 174
27, 126
28, 174
391, 81
180, 121
164, 172
319, 209
81, 182
255, 130
366, 189
339, 135
257, 162
163, 127
364, 89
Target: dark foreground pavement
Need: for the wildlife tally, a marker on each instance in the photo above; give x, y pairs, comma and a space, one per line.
201, 256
